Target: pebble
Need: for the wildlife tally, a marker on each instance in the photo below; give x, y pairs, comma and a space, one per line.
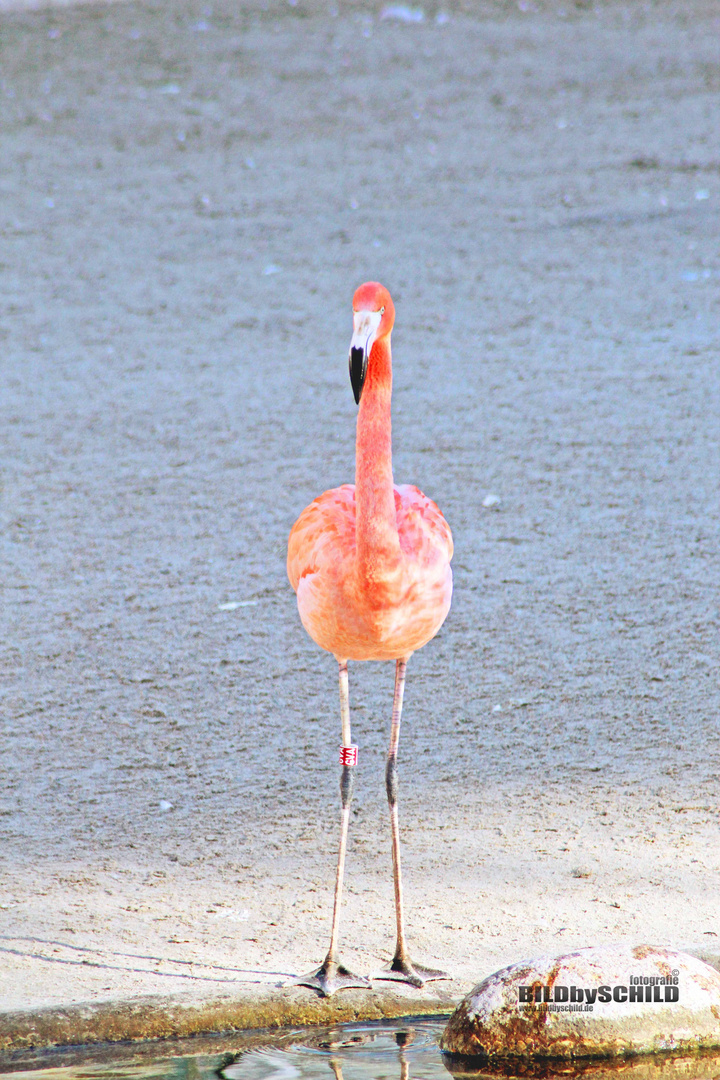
400, 13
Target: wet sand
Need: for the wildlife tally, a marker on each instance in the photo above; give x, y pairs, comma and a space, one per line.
189, 195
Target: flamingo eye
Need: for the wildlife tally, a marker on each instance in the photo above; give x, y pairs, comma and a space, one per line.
382, 310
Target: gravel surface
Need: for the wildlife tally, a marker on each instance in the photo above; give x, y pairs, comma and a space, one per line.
189, 196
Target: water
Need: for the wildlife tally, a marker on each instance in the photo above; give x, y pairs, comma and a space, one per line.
385, 1050
397, 1050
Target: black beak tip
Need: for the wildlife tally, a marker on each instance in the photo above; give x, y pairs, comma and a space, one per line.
358, 371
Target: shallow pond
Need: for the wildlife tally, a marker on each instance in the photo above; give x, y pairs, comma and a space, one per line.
396, 1050
382, 1050
385, 1050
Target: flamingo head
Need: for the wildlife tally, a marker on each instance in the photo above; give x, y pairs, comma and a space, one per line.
373, 318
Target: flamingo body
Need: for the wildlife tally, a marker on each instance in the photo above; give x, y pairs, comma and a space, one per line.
385, 615
370, 563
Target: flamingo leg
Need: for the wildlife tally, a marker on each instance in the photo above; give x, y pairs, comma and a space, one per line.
401, 967
332, 975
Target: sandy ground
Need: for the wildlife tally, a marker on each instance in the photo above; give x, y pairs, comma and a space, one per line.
189, 195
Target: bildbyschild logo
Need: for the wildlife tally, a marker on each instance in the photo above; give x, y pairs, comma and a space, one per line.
652, 989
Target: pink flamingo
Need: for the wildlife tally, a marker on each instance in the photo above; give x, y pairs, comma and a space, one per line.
370, 564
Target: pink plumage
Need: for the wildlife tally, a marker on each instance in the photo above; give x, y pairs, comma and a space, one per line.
379, 620
370, 562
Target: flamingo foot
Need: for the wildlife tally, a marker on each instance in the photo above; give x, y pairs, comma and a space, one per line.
402, 970
330, 977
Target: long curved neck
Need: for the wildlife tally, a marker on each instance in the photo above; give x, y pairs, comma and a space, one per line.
376, 533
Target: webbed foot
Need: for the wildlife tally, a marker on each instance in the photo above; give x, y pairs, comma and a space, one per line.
402, 970
331, 977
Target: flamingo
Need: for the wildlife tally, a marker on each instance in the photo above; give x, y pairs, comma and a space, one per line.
370, 563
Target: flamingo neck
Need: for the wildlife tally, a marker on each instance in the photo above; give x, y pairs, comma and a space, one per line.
376, 532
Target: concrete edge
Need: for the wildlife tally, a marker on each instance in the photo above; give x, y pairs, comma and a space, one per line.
181, 1017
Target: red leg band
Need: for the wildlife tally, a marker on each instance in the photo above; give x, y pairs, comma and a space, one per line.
348, 755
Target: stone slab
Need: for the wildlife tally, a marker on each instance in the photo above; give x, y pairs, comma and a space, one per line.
181, 1016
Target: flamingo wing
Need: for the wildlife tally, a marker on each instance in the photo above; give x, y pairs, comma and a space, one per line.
323, 535
424, 533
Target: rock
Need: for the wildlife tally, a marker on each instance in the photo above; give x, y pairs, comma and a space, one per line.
606, 1001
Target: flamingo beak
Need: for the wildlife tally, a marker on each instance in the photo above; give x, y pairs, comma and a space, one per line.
365, 327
